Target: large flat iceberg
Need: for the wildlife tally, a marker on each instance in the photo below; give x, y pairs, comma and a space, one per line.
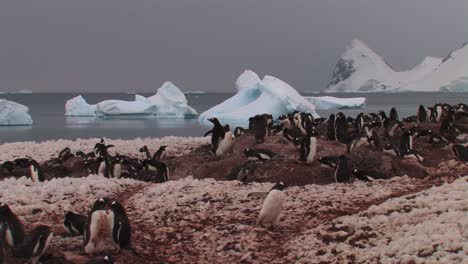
14, 114
255, 96
330, 102
169, 101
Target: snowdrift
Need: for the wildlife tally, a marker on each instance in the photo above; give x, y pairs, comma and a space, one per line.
169, 101
14, 114
255, 96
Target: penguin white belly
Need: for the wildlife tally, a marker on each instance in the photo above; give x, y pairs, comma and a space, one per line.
167, 173
9, 238
271, 209
313, 150
410, 142
264, 156
99, 226
152, 168
225, 145
117, 170
102, 168
34, 173
37, 255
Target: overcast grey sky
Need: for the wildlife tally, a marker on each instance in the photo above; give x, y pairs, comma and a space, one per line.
136, 45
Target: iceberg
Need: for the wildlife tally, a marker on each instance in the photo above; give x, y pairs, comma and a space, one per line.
169, 101
14, 114
255, 96
330, 102
77, 106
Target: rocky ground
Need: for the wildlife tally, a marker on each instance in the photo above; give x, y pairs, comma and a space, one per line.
199, 217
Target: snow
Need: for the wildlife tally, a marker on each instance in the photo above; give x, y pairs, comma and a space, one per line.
427, 227
330, 102
360, 69
259, 96
45, 150
451, 75
77, 106
169, 101
14, 114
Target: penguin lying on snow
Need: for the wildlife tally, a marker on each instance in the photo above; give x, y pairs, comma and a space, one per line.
365, 176
34, 245
101, 260
259, 154
460, 152
13, 228
272, 205
75, 224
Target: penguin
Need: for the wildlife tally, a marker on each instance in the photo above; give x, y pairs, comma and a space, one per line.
240, 173
368, 176
328, 162
239, 131
225, 142
75, 224
272, 205
421, 116
308, 150
22, 162
2, 244
7, 166
160, 153
35, 172
145, 150
447, 123
390, 130
341, 127
34, 245
331, 127
391, 150
64, 154
101, 260
460, 152
116, 167
288, 134
393, 115
161, 169
104, 166
217, 133
120, 226
413, 154
360, 122
285, 122
96, 226
260, 128
259, 154
13, 227
358, 142
341, 172
383, 119
406, 142
436, 113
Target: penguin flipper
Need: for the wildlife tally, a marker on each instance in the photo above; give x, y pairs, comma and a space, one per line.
207, 133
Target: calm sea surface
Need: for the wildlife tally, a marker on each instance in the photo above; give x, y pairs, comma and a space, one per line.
47, 111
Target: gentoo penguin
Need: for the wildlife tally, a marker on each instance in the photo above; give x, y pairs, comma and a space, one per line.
272, 205
363, 176
383, 118
239, 131
363, 141
13, 228
331, 127
240, 173
217, 133
120, 226
96, 226
101, 260
160, 153
75, 224
391, 150
412, 154
341, 127
104, 166
161, 169
259, 154
34, 245
260, 128
393, 115
436, 113
447, 123
421, 116
359, 123
145, 150
328, 162
460, 152
391, 129
285, 122
341, 172
35, 172
308, 150
406, 142
116, 167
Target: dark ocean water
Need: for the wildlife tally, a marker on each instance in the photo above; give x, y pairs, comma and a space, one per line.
47, 111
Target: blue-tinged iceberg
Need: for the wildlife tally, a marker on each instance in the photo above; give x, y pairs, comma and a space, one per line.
14, 114
258, 96
169, 101
330, 102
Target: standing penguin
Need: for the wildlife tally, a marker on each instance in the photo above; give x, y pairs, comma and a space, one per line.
226, 142
406, 142
272, 205
359, 122
260, 128
116, 167
161, 169
436, 113
145, 150
393, 115
75, 224
341, 172
13, 228
160, 153
120, 226
308, 150
34, 245
35, 172
96, 226
331, 127
217, 133
341, 127
421, 116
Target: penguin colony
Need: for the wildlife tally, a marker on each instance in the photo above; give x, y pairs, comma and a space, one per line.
108, 221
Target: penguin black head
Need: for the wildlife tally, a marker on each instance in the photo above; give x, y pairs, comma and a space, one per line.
101, 204
143, 149
280, 186
116, 207
214, 120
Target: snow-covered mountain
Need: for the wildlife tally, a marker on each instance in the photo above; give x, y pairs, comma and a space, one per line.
360, 69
